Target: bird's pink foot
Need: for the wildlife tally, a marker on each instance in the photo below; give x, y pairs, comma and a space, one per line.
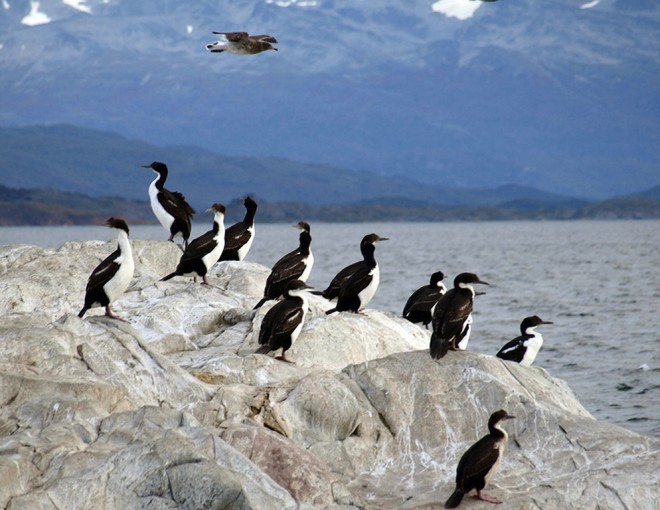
486, 497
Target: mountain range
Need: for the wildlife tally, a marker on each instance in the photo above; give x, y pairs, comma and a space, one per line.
560, 96
83, 176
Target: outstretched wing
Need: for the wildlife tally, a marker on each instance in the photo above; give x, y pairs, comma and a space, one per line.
234, 36
265, 38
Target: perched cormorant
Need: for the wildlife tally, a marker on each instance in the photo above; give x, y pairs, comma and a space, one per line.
479, 463
239, 237
170, 207
112, 276
419, 307
452, 316
241, 43
282, 324
524, 348
295, 265
358, 282
204, 251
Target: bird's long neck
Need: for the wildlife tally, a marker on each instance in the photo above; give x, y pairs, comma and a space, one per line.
368, 253
468, 287
124, 244
159, 182
497, 432
249, 216
219, 224
305, 242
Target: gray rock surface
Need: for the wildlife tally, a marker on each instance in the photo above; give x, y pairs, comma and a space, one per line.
172, 409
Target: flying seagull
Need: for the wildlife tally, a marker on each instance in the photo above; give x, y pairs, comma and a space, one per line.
242, 43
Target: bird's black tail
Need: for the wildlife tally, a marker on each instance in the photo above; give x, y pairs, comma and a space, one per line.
332, 310
258, 305
83, 311
264, 349
439, 346
169, 276
455, 499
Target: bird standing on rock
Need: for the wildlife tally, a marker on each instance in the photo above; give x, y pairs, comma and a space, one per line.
111, 277
242, 43
295, 265
202, 253
420, 305
239, 237
452, 316
480, 462
524, 348
356, 284
170, 207
283, 323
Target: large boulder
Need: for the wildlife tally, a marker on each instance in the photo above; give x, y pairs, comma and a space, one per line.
172, 408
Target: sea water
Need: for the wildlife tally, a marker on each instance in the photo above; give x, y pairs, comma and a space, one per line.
599, 281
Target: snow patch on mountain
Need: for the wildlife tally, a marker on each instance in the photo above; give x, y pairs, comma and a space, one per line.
78, 5
296, 3
35, 17
460, 9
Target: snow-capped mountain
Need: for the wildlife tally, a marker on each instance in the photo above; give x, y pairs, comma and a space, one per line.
562, 95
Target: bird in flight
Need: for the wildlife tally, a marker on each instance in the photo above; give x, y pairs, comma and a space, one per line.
242, 43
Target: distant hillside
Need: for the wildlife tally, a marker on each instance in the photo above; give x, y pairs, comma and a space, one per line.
47, 206
99, 163
53, 207
560, 95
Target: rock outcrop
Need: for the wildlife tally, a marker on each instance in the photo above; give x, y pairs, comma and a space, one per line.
172, 409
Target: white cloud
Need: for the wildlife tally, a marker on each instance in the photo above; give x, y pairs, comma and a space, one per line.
189, 29
6, 5
35, 17
460, 9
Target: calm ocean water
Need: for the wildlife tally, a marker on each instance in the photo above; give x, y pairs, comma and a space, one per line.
599, 281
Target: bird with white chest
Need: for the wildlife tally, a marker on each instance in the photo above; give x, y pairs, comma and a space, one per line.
170, 207
111, 278
204, 251
524, 348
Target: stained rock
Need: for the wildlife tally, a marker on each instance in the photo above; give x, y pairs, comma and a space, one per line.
172, 408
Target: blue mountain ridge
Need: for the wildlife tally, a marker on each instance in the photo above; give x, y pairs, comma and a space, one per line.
547, 95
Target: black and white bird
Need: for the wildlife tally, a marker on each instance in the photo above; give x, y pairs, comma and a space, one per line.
358, 282
242, 43
420, 304
169, 207
524, 348
203, 252
283, 323
239, 237
480, 462
452, 316
295, 265
111, 277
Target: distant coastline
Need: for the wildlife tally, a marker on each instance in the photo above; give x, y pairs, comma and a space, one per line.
45, 206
